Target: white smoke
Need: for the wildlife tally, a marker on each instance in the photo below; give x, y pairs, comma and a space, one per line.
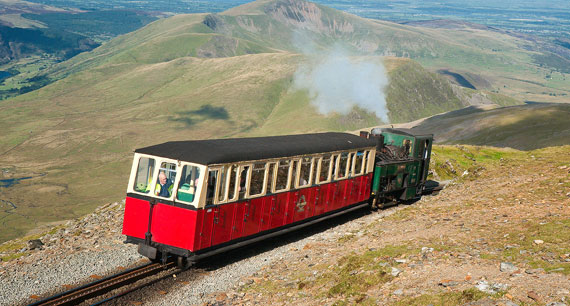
337, 82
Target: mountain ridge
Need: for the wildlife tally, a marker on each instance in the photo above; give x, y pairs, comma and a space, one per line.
143, 88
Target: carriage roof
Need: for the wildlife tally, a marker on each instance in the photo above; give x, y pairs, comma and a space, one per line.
219, 151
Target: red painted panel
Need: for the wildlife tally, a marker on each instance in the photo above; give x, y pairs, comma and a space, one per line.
360, 188
278, 212
238, 224
256, 205
338, 196
268, 203
290, 206
173, 226
206, 229
347, 193
363, 184
297, 207
368, 185
223, 219
304, 204
135, 220
199, 221
319, 206
328, 196
311, 201
252, 217
354, 190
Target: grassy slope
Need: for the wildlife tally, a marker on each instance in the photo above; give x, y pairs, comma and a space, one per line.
81, 130
143, 88
524, 127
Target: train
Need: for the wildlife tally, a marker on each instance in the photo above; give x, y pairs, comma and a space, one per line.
193, 199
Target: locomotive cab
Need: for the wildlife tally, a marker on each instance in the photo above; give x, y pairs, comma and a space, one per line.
402, 164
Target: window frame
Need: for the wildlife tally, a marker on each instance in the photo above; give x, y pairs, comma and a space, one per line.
219, 170
198, 188
276, 171
158, 161
264, 186
174, 183
353, 166
319, 167
347, 170
134, 174
299, 162
240, 170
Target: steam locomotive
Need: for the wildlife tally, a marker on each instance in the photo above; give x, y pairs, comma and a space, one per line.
194, 199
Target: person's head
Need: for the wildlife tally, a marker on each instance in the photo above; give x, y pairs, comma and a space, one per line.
162, 178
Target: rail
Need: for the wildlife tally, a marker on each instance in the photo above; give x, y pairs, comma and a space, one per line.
104, 285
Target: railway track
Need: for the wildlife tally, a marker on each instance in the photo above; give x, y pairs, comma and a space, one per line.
105, 285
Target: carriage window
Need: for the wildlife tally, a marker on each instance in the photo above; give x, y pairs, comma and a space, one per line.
282, 180
257, 179
325, 169
223, 185
242, 188
188, 183
143, 178
314, 170
165, 180
343, 165
212, 179
270, 175
334, 165
305, 166
358, 163
228, 185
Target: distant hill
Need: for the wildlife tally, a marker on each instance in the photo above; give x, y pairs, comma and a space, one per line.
523, 127
34, 37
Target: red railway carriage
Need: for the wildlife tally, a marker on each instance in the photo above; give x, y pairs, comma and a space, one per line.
198, 198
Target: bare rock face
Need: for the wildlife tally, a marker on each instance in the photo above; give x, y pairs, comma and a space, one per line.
214, 22
306, 15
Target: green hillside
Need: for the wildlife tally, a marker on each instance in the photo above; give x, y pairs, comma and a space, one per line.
493, 60
188, 77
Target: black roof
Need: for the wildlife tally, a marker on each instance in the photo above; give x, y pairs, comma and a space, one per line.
219, 151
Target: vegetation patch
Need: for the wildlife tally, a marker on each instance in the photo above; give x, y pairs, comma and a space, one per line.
447, 298
355, 274
463, 161
541, 245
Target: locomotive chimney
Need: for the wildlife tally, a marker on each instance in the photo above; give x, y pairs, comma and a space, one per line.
377, 134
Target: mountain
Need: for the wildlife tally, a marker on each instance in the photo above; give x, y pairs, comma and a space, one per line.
68, 146
520, 66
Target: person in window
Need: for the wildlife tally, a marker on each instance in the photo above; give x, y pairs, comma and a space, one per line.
164, 186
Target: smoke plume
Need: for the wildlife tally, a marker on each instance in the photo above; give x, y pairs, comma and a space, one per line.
337, 82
